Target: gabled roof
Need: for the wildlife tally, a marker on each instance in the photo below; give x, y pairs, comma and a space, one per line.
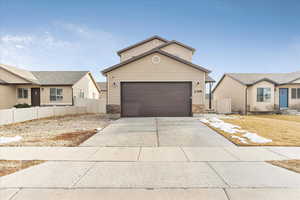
209, 79
142, 42
2, 82
178, 43
249, 79
58, 77
102, 86
276, 78
151, 52
21, 73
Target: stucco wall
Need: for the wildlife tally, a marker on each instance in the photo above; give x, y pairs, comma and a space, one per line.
87, 85
230, 88
166, 70
140, 49
179, 51
7, 96
10, 78
255, 106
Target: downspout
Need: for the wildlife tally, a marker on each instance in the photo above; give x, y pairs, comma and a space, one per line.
246, 101
106, 93
210, 85
72, 96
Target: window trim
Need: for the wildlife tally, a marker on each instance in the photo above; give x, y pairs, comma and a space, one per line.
295, 93
57, 97
23, 96
264, 95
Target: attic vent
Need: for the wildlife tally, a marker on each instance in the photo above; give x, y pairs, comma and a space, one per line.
155, 59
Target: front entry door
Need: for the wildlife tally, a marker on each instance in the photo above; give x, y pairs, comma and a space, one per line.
284, 97
35, 97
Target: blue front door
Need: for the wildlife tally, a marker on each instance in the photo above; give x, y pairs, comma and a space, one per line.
284, 97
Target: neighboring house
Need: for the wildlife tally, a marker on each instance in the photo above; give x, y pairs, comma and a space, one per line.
260, 92
156, 77
44, 88
103, 89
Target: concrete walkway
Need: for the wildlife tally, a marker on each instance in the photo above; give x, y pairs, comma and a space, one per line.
170, 173
180, 169
154, 132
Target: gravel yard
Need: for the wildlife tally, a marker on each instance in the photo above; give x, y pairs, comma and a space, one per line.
60, 131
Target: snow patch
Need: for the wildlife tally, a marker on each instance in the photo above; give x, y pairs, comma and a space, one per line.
98, 129
4, 140
217, 123
242, 140
232, 129
253, 137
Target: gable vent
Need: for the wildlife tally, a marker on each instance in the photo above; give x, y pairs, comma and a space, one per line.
155, 59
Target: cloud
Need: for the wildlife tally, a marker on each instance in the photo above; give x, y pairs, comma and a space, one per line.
62, 46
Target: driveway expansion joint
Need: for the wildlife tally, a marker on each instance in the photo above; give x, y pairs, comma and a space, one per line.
187, 158
278, 153
219, 175
15, 194
80, 177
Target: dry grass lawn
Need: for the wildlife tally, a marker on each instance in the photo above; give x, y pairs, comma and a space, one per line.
293, 165
62, 131
292, 118
11, 166
284, 130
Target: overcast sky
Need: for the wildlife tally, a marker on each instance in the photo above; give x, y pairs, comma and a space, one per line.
229, 35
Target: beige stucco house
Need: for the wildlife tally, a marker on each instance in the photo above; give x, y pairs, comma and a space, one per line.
156, 77
44, 88
260, 92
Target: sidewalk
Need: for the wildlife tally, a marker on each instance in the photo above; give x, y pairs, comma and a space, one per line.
170, 173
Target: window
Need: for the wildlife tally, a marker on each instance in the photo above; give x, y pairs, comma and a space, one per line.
81, 94
263, 94
22, 93
295, 93
56, 94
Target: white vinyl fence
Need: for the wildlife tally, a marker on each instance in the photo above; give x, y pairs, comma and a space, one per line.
92, 105
15, 115
222, 106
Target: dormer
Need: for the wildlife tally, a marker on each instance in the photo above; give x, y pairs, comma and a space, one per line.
178, 49
141, 47
173, 47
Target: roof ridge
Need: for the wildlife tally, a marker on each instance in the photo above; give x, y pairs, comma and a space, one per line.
142, 42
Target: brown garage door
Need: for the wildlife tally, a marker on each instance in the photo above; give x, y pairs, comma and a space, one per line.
156, 99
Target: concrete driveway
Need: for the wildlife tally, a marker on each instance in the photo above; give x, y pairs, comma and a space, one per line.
155, 132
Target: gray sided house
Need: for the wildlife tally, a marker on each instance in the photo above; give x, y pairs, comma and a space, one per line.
44, 88
260, 92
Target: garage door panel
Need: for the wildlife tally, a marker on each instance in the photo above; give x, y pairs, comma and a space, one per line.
156, 99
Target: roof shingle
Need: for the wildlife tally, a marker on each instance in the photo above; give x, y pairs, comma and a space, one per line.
58, 77
252, 78
102, 86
